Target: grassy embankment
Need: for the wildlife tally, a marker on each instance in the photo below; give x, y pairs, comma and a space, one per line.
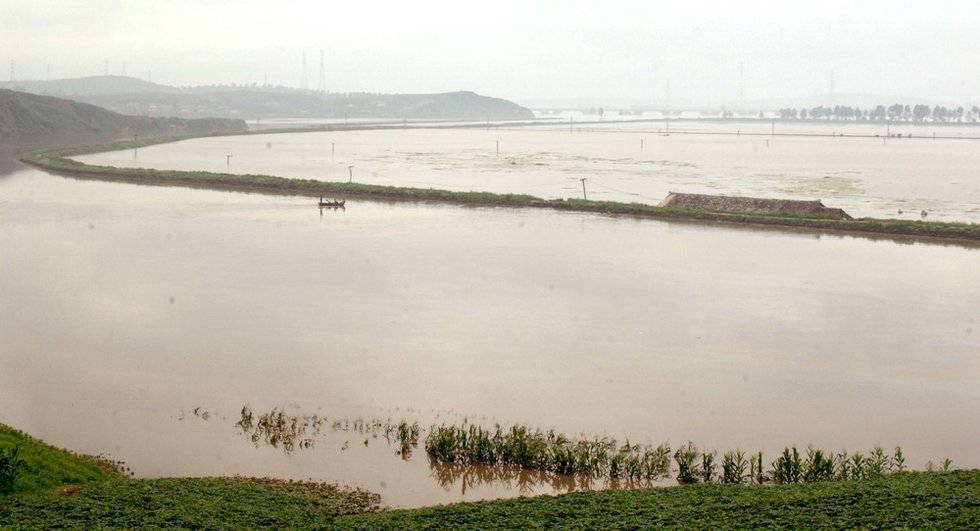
59, 161
59, 489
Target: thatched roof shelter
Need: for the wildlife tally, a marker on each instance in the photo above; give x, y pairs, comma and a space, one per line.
752, 205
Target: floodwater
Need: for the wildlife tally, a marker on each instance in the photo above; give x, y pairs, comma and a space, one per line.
844, 165
138, 321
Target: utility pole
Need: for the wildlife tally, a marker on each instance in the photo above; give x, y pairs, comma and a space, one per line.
227, 160
350, 169
583, 189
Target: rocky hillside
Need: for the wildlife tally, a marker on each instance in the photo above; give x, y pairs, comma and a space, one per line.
24, 116
137, 97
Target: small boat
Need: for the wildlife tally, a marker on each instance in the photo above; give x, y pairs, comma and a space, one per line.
331, 204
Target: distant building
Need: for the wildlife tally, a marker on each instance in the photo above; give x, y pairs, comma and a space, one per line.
752, 205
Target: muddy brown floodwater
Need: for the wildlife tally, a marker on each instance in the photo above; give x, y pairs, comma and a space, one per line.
123, 309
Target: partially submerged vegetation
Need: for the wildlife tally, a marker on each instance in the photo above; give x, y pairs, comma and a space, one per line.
60, 161
103, 497
467, 447
532, 449
280, 429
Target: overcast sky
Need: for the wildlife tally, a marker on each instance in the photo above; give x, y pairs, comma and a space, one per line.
520, 50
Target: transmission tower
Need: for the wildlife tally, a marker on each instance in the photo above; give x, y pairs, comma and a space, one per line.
304, 82
12, 76
321, 85
833, 94
741, 82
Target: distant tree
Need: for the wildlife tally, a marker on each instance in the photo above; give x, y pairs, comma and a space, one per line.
879, 113
895, 112
920, 112
821, 112
803, 113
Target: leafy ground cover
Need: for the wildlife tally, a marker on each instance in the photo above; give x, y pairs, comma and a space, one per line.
916, 500
198, 503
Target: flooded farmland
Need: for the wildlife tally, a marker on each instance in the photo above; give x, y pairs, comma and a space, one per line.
851, 166
138, 321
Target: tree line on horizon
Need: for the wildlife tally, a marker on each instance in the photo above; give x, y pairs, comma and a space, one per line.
892, 113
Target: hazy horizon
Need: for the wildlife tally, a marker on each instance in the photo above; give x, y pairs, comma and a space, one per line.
696, 51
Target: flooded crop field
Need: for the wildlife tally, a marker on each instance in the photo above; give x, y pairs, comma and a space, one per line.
145, 322
851, 166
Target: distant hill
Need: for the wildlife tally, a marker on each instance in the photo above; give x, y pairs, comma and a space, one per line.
133, 96
87, 86
27, 116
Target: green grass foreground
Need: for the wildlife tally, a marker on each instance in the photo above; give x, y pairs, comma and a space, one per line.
59, 161
908, 500
104, 498
46, 467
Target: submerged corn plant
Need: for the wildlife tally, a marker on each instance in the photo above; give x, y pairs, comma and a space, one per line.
758, 474
686, 458
946, 466
708, 466
788, 468
733, 467
898, 460
817, 466
407, 436
525, 448
878, 462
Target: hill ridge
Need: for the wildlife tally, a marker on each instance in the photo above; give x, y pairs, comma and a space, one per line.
138, 97
25, 116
